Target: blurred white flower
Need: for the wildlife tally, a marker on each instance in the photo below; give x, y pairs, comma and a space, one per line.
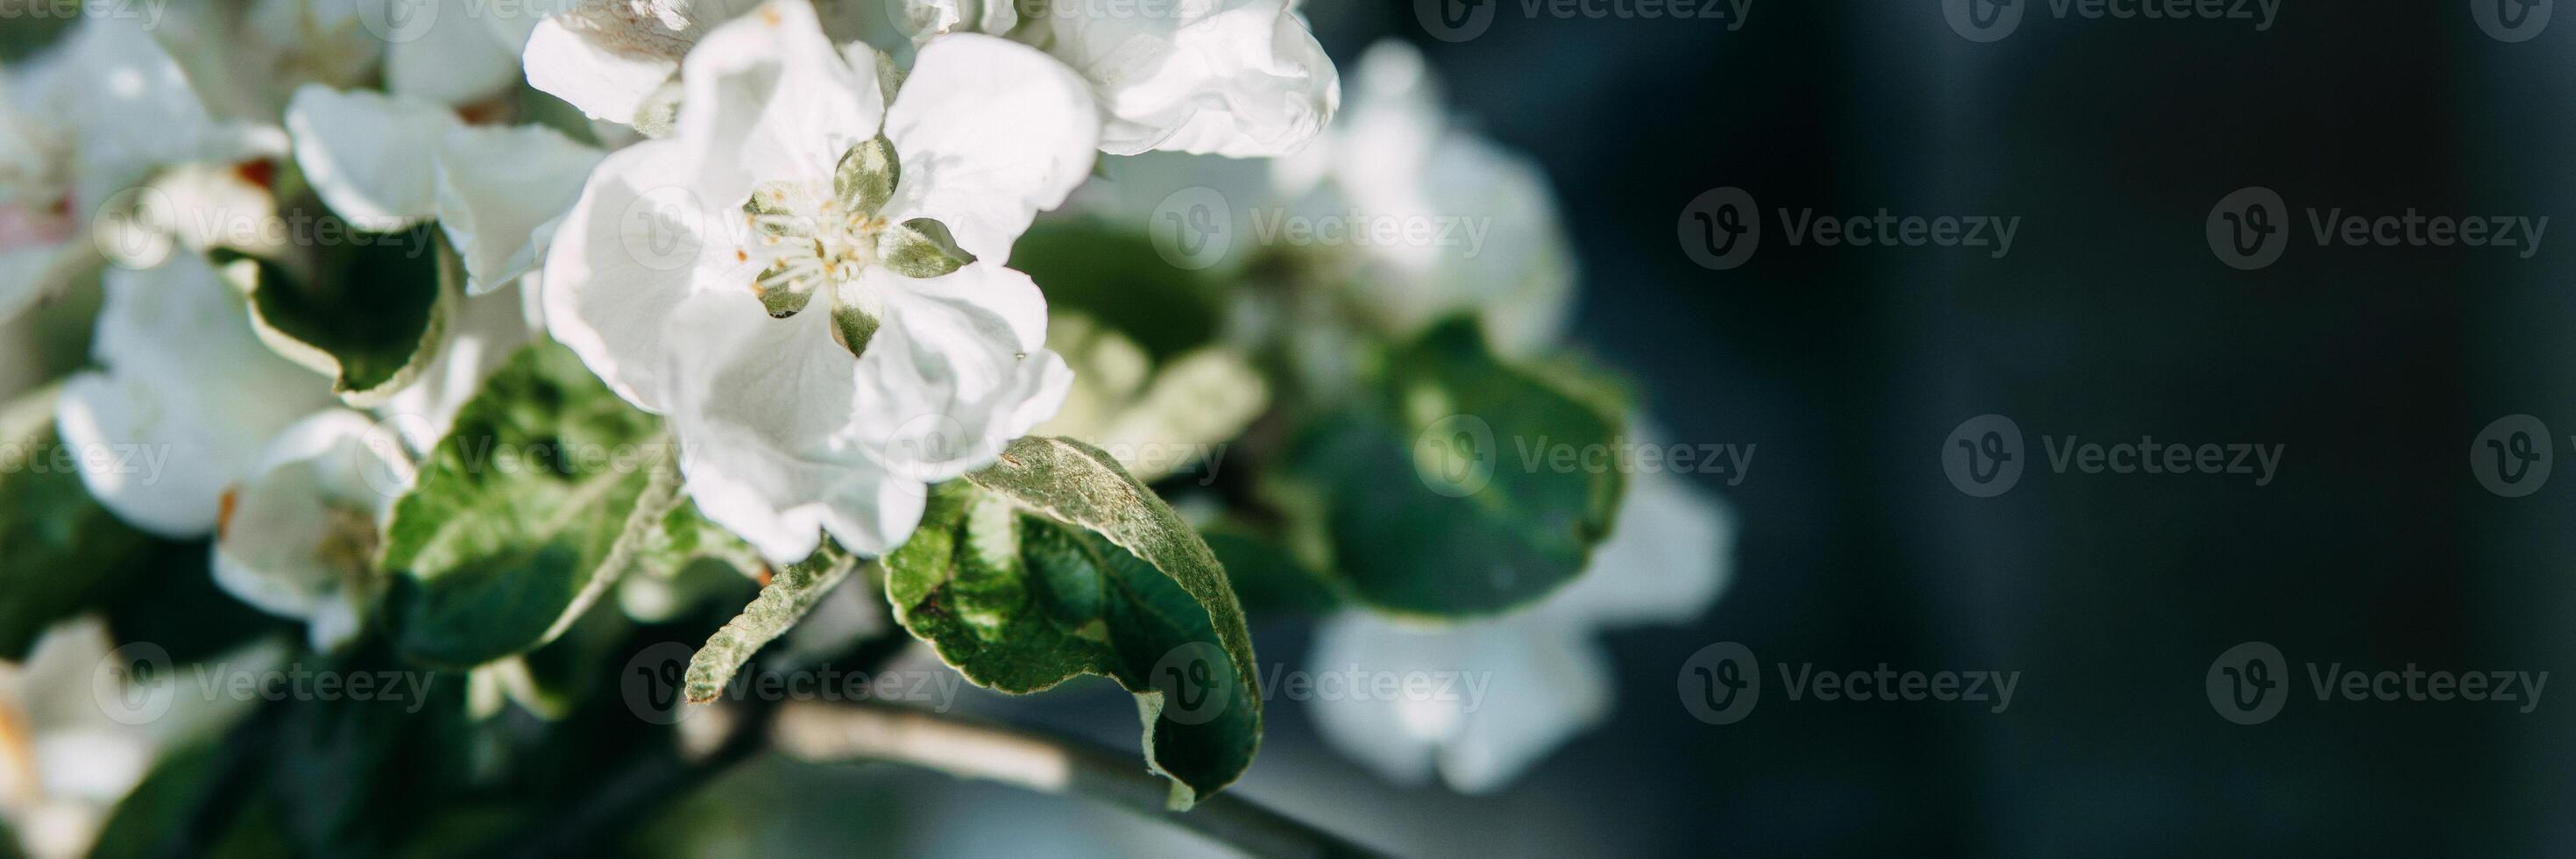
93, 118
187, 398
297, 538
1238, 78
63, 763
808, 281
1545, 676
387, 162
1499, 251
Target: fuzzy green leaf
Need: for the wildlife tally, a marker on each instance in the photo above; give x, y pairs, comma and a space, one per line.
1056, 563
1438, 494
783, 602
525, 513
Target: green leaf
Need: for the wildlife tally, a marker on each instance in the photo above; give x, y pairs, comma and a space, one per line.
373, 327
1439, 494
156, 818
525, 513
866, 176
1267, 577
60, 552
783, 602
1055, 563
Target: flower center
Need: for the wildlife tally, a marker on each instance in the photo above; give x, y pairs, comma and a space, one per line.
811, 237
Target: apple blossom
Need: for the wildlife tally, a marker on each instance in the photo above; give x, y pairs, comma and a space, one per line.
806, 280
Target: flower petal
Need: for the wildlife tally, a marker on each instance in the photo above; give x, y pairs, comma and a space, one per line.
278, 548
762, 409
188, 399
457, 60
1239, 78
1526, 688
990, 132
769, 98
608, 85
369, 155
958, 371
497, 187
627, 253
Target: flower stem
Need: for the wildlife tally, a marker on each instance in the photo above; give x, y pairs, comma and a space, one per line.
842, 733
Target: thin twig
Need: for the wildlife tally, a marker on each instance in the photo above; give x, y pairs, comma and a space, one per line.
844, 733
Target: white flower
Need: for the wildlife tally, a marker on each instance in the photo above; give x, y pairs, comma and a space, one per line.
726, 276
98, 115
1238, 78
188, 397
63, 763
1532, 679
298, 537
1395, 156
387, 162
461, 54
608, 57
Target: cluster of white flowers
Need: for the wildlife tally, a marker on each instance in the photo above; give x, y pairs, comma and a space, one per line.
784, 228
791, 245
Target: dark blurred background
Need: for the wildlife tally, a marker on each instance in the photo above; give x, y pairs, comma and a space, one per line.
2375, 368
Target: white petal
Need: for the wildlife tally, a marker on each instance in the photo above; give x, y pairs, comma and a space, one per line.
456, 60
497, 186
989, 132
370, 156
188, 398
1524, 688
608, 85
1667, 558
132, 101
762, 409
277, 548
958, 370
1240, 78
767, 97
630, 250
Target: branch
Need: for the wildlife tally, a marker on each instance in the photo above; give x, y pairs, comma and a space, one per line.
829, 733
